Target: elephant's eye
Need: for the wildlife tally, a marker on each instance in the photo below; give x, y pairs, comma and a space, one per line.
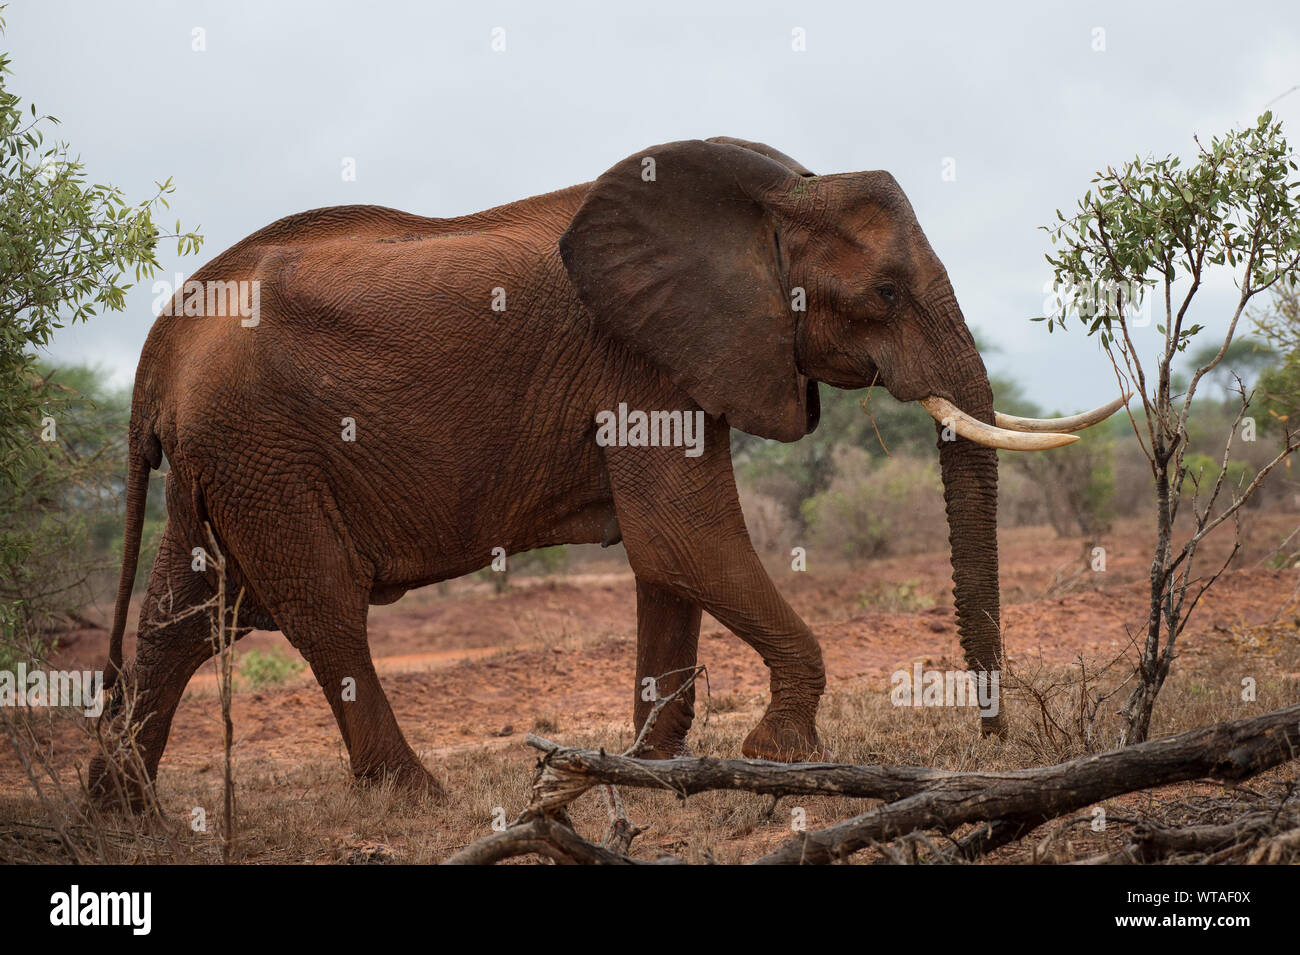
887, 292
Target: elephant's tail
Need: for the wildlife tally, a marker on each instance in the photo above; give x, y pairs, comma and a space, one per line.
143, 457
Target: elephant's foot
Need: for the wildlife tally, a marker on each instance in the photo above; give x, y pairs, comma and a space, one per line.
667, 738
667, 749
408, 775
785, 737
993, 726
114, 787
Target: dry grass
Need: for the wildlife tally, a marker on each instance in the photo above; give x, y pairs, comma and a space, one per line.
312, 812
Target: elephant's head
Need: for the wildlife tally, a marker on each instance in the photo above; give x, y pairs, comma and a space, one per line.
747, 279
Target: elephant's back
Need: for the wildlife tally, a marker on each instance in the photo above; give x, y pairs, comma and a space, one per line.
397, 333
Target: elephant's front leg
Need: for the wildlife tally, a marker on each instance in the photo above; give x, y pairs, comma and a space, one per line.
667, 635
749, 605
685, 533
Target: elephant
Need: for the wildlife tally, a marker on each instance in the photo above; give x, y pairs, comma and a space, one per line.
415, 392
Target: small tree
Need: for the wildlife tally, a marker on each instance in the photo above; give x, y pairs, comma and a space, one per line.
1159, 227
66, 248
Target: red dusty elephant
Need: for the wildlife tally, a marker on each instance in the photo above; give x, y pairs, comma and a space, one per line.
413, 393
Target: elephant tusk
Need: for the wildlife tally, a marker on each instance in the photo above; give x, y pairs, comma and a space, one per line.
950, 416
1061, 425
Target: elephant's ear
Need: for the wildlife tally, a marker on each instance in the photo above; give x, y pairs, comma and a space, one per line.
763, 148
675, 253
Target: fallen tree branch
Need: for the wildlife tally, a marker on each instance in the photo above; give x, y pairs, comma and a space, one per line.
621, 830
1156, 842
990, 836
1226, 751
543, 836
1152, 842
1276, 848
566, 773
1011, 804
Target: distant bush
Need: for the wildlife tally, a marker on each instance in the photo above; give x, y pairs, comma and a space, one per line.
873, 509
793, 473
1020, 500
262, 668
541, 562
770, 530
1203, 471
904, 597
1078, 485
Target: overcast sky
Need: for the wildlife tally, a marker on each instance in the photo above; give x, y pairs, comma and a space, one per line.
257, 125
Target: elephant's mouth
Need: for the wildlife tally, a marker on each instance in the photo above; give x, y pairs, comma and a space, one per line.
812, 400
812, 406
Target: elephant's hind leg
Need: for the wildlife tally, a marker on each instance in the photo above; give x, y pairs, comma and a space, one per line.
175, 638
321, 607
667, 634
376, 747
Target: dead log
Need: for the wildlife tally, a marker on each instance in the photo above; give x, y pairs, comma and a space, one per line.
565, 774
1151, 842
1012, 803
1155, 842
544, 836
985, 839
1228, 751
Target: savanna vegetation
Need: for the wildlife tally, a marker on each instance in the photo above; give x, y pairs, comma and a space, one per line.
862, 491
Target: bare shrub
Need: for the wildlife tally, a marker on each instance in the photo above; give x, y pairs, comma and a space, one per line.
1133, 482
903, 597
769, 528
873, 509
1077, 484
1020, 502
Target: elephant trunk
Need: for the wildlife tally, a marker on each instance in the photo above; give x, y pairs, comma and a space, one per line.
970, 482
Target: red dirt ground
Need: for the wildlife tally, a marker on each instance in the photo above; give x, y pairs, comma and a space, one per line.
465, 667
